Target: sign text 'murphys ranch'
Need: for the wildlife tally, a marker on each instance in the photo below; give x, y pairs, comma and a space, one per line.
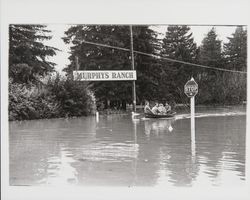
121, 75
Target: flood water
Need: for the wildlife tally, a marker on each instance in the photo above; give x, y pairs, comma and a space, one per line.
119, 151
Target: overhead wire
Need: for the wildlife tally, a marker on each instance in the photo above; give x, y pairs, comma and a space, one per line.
161, 57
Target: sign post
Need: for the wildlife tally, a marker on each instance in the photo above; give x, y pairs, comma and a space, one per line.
133, 68
105, 75
191, 89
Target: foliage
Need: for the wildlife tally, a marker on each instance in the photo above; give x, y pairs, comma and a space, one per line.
74, 97
148, 68
28, 55
99, 58
178, 44
92, 57
58, 98
30, 102
160, 79
31, 98
210, 81
235, 53
217, 86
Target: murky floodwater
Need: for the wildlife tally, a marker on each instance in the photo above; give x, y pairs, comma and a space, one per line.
119, 151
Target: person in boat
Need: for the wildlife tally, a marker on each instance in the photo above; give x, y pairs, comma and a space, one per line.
147, 108
155, 109
162, 109
167, 108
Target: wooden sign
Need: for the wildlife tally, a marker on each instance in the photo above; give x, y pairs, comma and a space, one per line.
105, 75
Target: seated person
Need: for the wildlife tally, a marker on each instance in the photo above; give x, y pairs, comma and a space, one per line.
147, 108
167, 107
161, 109
155, 109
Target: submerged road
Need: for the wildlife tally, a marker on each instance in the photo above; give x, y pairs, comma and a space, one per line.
119, 151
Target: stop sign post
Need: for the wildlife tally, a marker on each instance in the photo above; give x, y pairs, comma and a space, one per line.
191, 89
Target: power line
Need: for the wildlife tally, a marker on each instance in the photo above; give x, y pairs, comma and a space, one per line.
188, 63
161, 57
105, 45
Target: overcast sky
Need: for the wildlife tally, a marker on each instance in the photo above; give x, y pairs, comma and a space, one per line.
61, 59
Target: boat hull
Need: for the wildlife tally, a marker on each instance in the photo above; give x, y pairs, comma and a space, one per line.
169, 115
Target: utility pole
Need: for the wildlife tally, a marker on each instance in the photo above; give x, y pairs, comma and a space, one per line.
77, 62
133, 68
76, 67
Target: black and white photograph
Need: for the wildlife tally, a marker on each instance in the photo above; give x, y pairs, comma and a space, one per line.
125, 105
73, 124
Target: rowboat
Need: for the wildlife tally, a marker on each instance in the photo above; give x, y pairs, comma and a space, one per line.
168, 115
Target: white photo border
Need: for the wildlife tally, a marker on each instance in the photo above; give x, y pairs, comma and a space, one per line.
192, 12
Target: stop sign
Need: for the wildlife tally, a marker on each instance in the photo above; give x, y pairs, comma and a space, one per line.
191, 88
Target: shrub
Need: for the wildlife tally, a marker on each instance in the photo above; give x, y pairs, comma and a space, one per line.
75, 98
56, 98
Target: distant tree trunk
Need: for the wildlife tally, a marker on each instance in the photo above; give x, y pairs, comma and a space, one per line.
124, 105
120, 105
107, 104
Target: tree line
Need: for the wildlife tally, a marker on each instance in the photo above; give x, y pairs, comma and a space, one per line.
33, 92
157, 79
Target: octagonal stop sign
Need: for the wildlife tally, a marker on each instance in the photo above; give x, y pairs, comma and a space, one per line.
191, 88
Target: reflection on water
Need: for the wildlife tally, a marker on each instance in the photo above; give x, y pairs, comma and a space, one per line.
156, 126
60, 170
120, 151
109, 152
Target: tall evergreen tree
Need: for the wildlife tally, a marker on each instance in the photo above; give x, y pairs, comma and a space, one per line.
212, 82
101, 58
92, 57
235, 52
28, 54
210, 51
178, 44
148, 68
